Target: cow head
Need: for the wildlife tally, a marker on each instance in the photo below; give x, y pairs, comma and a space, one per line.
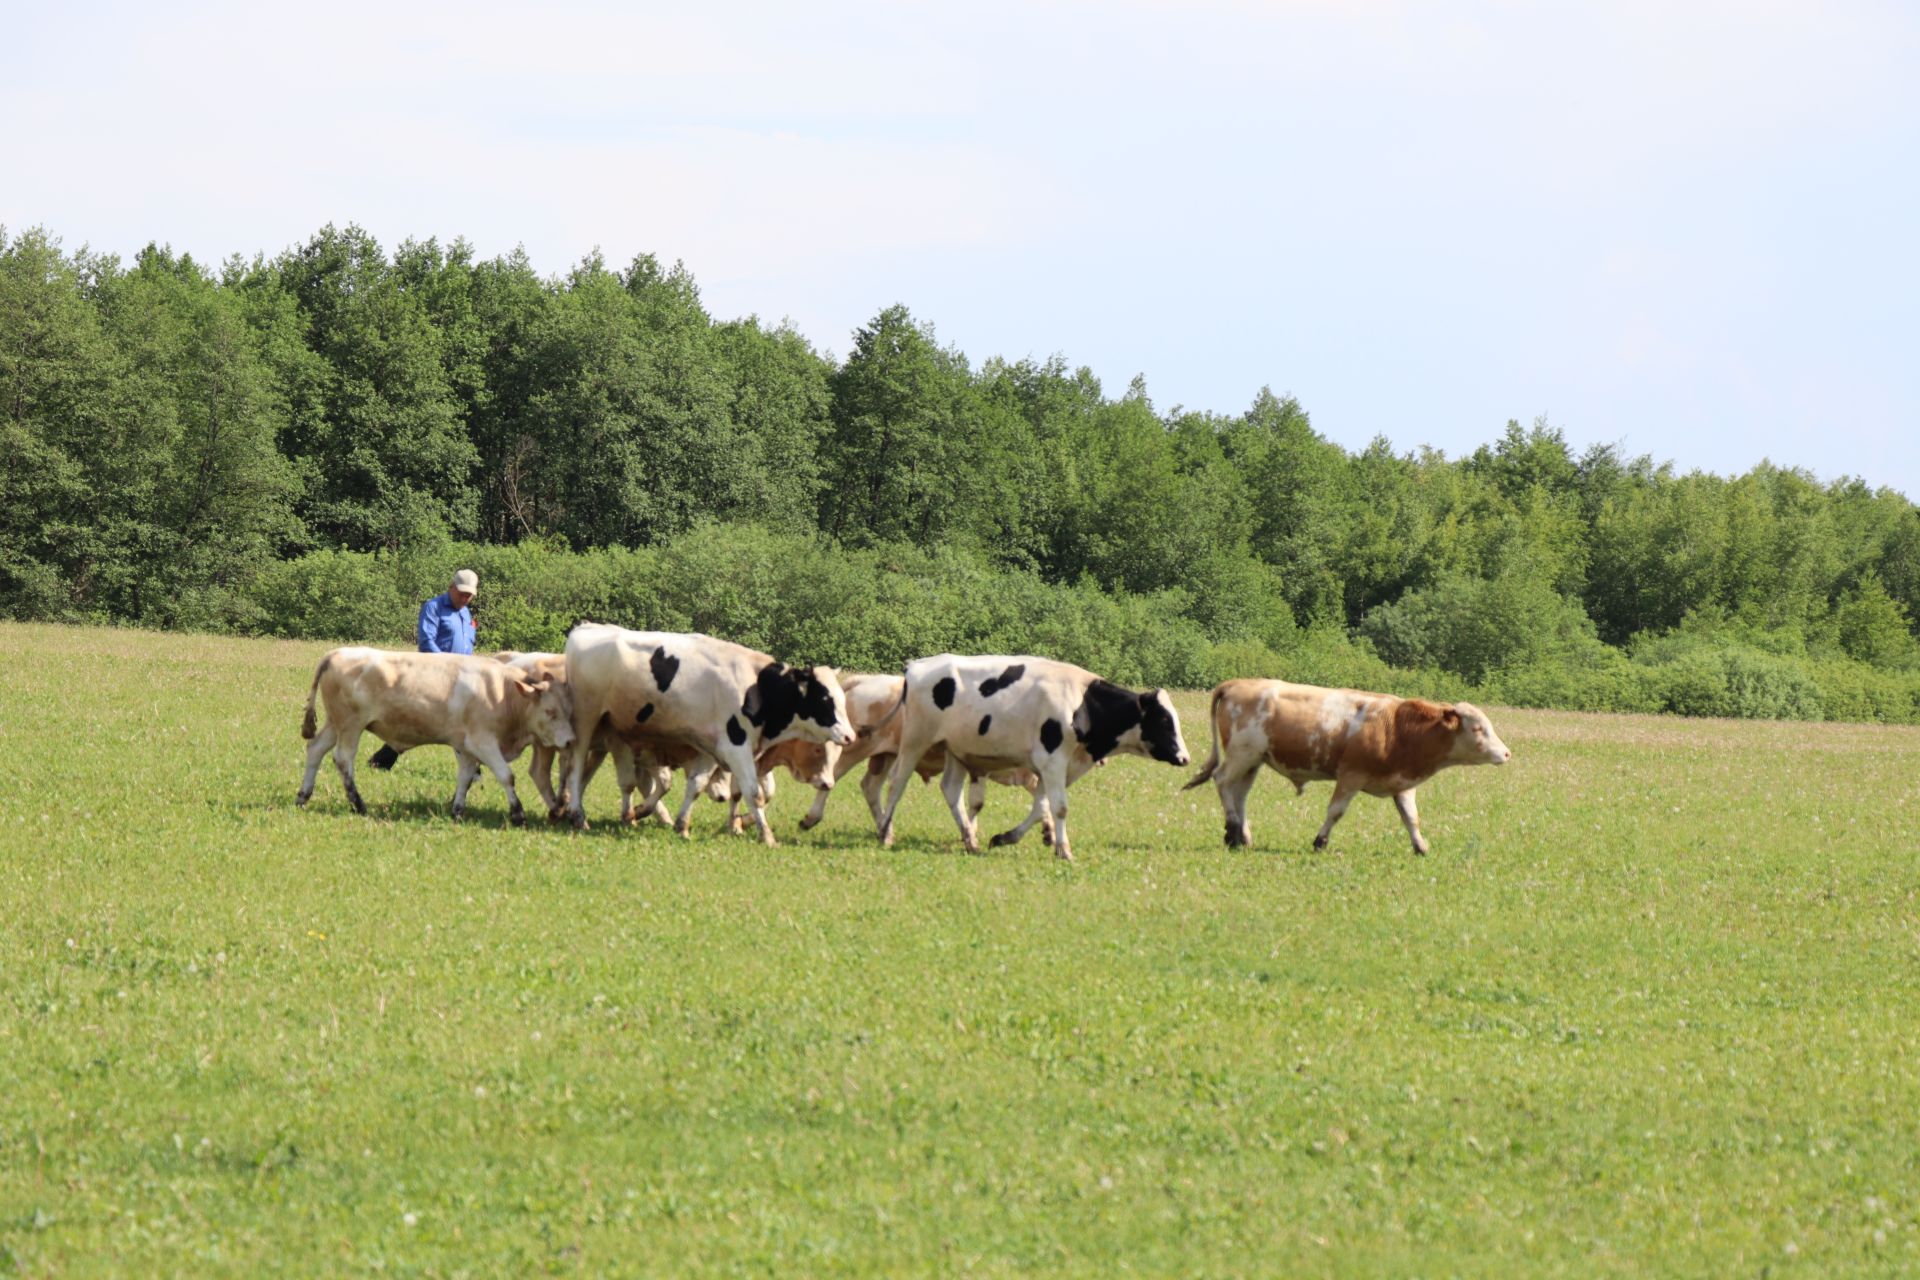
552, 717
1474, 741
791, 702
1113, 718
1160, 729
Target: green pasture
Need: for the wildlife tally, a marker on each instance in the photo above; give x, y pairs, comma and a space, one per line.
1651, 1007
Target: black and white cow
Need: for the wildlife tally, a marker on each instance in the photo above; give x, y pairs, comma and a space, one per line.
1023, 713
724, 700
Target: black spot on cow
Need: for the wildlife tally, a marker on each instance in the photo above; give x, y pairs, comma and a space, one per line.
781, 694
995, 684
1050, 734
384, 758
644, 713
943, 691
736, 734
1104, 717
986, 723
665, 668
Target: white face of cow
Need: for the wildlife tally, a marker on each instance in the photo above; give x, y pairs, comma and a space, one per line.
1476, 742
552, 711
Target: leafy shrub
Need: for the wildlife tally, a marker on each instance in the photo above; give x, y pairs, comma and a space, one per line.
1610, 683
1702, 675
1475, 626
333, 595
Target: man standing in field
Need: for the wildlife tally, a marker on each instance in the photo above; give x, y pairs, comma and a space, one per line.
446, 626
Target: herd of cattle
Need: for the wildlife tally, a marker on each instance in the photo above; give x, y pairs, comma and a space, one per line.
729, 716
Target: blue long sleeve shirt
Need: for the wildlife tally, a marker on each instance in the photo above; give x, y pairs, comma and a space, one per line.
443, 628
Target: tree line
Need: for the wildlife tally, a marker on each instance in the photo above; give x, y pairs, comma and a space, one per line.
256, 445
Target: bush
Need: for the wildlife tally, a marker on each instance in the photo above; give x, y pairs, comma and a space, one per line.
1476, 626
1703, 675
1610, 683
333, 595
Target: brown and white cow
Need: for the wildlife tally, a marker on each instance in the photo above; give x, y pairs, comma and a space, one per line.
485, 710
871, 703
1371, 742
994, 713
725, 701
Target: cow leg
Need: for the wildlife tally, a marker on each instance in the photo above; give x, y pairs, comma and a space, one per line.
1233, 803
469, 770
748, 787
1410, 815
736, 824
873, 786
1037, 812
540, 771
626, 774
595, 758
953, 785
577, 773
316, 752
976, 798
659, 781
1343, 793
697, 775
488, 753
345, 747
819, 808
1053, 774
902, 773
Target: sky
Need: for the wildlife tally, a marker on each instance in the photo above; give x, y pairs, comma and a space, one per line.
1687, 229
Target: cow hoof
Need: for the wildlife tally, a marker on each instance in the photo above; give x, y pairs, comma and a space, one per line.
1063, 854
579, 821
359, 805
300, 798
1319, 843
1420, 850
517, 816
1004, 839
556, 814
457, 812
1234, 839
630, 819
769, 841
809, 822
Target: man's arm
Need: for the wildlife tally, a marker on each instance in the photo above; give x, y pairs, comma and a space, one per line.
427, 634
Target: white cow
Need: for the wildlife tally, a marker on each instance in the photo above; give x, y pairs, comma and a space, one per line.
725, 701
994, 713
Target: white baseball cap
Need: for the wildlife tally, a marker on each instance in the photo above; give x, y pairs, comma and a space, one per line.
466, 580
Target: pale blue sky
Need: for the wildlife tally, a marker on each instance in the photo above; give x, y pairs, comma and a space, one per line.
1693, 228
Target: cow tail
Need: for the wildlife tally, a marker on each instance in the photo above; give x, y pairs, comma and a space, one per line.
307, 726
1213, 733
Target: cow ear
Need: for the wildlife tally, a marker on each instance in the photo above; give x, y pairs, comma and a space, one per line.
531, 690
751, 703
1450, 718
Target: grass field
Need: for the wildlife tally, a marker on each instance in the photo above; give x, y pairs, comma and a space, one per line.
1652, 1006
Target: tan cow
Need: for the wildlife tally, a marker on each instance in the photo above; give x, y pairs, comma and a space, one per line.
872, 703
1371, 742
487, 711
